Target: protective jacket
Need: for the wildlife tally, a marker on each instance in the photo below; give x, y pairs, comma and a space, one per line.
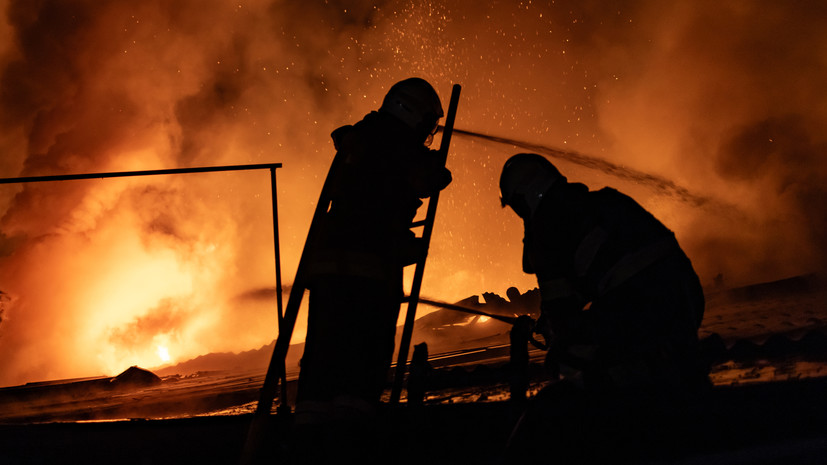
376, 193
602, 248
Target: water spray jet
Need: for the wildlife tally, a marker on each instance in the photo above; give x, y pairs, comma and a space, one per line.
659, 184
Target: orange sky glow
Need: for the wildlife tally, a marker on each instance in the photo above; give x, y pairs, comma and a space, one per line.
721, 100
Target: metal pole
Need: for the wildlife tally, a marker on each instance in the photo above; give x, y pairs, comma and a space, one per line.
123, 174
274, 197
279, 304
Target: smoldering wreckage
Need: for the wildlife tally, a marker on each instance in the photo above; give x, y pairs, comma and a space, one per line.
468, 396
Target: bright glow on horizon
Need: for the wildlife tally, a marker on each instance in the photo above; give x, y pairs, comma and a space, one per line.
163, 354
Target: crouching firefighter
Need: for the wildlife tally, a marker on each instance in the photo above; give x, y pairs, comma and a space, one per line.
383, 168
621, 302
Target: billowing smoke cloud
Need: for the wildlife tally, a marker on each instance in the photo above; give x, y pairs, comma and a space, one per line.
720, 100
726, 98
780, 159
104, 274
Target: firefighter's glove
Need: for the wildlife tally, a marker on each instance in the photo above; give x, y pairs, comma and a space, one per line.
443, 179
552, 365
543, 327
570, 360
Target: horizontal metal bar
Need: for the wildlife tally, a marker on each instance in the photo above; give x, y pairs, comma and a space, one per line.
122, 174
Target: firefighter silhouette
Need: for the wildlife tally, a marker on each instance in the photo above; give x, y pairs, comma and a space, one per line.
356, 266
620, 310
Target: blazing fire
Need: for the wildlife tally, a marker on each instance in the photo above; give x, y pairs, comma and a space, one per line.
163, 354
714, 101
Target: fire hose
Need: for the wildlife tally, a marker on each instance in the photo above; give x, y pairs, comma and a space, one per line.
459, 308
512, 320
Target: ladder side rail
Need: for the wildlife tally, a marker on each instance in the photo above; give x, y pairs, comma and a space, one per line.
276, 368
407, 332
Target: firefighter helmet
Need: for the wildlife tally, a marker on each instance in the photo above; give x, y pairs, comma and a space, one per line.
416, 103
525, 178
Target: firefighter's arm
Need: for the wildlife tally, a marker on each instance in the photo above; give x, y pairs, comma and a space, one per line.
560, 322
565, 317
429, 175
528, 267
559, 297
563, 326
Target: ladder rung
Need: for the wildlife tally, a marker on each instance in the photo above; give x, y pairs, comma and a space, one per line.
419, 223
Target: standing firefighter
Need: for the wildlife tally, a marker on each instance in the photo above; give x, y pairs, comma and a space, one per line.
355, 282
621, 303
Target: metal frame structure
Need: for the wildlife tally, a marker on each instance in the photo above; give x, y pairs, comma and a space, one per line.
206, 169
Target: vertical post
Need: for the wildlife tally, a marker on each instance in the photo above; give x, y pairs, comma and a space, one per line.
279, 301
274, 199
407, 331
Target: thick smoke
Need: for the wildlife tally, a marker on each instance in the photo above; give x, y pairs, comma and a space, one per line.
734, 91
784, 163
103, 274
722, 100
